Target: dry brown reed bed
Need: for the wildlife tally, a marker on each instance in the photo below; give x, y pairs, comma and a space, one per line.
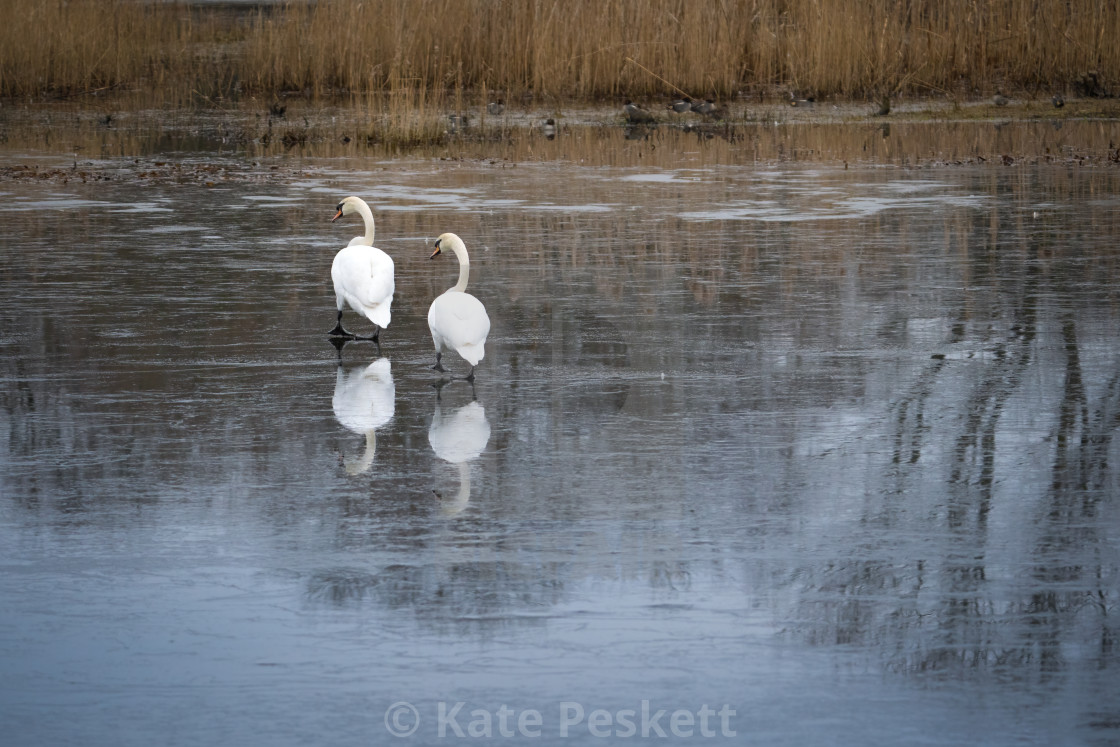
436, 53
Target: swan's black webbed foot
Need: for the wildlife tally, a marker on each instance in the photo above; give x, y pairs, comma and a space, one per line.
470, 376
438, 366
338, 331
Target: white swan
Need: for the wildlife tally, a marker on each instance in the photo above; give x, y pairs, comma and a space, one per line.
362, 274
458, 439
457, 319
364, 400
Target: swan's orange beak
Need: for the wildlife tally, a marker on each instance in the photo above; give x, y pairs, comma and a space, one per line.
437, 251
337, 215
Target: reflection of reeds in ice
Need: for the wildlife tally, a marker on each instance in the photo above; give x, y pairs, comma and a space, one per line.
554, 48
397, 123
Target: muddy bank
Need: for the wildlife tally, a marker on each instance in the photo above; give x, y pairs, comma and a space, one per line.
84, 140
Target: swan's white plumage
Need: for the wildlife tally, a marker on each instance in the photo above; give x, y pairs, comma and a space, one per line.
457, 320
362, 273
363, 279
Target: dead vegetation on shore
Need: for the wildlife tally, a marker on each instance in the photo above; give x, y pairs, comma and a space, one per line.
437, 52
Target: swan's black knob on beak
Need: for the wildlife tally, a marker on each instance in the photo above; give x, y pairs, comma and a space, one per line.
437, 251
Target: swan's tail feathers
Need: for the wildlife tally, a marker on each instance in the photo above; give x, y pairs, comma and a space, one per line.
379, 314
472, 353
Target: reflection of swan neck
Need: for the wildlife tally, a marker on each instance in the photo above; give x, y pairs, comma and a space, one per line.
463, 497
358, 466
464, 480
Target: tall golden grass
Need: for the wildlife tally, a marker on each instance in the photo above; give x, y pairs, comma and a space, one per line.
61, 47
558, 48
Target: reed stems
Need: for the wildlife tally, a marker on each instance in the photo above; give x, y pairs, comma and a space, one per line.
583, 49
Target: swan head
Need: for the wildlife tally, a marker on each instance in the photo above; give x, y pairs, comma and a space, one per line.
346, 207
449, 241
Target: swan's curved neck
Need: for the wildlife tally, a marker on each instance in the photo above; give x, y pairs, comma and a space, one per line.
464, 267
367, 219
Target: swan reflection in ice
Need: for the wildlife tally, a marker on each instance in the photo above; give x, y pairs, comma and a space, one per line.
458, 438
363, 402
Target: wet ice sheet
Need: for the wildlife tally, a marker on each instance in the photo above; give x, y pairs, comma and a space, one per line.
847, 473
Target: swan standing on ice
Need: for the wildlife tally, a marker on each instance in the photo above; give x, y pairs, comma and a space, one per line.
457, 319
362, 274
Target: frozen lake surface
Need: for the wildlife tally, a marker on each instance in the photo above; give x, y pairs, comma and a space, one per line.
804, 455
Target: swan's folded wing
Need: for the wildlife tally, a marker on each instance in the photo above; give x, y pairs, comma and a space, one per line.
469, 320
364, 273
379, 282
459, 319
